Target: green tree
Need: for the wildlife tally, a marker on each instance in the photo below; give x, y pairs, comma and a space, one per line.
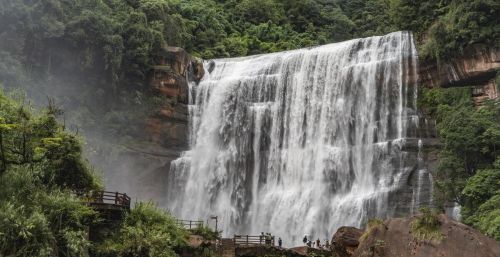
147, 231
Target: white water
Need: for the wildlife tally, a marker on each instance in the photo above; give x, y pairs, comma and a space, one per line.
298, 142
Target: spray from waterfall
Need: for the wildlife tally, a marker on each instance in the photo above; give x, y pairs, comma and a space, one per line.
298, 142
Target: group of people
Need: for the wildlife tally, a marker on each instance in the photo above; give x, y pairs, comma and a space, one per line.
267, 239
316, 244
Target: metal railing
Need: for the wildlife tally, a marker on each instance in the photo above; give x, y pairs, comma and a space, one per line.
190, 224
246, 240
106, 197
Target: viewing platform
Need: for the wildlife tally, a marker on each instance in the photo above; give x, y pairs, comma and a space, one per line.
190, 224
106, 200
247, 240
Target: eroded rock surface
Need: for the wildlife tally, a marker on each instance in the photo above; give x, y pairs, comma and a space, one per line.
168, 126
347, 236
476, 66
394, 238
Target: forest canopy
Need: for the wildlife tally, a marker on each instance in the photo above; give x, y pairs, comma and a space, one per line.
101, 51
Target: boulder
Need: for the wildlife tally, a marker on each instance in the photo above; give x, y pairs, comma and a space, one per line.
394, 238
345, 240
347, 236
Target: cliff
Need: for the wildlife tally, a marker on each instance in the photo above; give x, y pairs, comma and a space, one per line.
141, 166
477, 67
168, 126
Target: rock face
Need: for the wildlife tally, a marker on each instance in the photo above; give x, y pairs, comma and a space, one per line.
347, 238
476, 66
394, 239
168, 127
141, 167
264, 251
166, 130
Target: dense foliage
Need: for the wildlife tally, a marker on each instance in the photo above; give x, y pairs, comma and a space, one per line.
94, 57
41, 169
42, 172
469, 163
146, 232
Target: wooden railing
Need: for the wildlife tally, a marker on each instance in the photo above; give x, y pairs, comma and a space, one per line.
246, 240
106, 197
190, 224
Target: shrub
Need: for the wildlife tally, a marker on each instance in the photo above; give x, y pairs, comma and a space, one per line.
372, 223
146, 232
206, 233
426, 226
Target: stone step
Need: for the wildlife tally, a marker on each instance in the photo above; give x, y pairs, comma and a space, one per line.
228, 247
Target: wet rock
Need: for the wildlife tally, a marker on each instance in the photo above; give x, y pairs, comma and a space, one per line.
211, 66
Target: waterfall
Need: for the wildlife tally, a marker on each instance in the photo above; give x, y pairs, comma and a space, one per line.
298, 142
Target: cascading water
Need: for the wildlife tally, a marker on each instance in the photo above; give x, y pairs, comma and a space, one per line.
298, 142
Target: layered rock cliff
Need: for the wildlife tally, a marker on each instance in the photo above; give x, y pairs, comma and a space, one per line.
477, 67
168, 126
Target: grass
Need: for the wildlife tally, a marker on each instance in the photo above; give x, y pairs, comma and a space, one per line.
206, 233
372, 223
426, 227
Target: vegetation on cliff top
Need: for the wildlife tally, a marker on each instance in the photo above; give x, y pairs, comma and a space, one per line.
94, 57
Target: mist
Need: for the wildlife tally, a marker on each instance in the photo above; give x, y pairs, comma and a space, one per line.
48, 54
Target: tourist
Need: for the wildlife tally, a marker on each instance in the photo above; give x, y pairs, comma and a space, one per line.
305, 239
318, 243
327, 244
261, 237
268, 238
309, 243
280, 242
